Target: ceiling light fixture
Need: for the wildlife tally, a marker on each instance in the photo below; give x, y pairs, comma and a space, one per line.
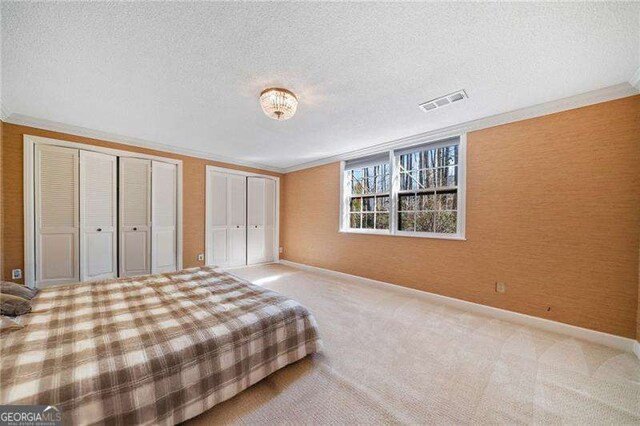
279, 104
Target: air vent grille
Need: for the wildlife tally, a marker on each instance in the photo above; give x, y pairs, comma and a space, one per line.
445, 100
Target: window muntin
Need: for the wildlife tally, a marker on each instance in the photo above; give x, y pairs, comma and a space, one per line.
369, 197
428, 194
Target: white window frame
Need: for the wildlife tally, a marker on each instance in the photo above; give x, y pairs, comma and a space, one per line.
395, 187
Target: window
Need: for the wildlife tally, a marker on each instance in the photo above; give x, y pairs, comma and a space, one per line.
369, 188
415, 191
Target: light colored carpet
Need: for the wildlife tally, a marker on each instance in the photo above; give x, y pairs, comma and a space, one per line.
390, 358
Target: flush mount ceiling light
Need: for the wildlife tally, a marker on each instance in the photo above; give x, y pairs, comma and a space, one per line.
279, 104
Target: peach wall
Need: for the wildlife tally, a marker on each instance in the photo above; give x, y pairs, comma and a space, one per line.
553, 210
12, 172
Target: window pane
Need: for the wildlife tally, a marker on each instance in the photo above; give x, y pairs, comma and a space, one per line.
368, 204
354, 220
409, 181
356, 186
406, 202
368, 220
382, 204
446, 222
427, 178
367, 182
382, 221
405, 162
357, 174
448, 156
424, 221
425, 202
355, 205
382, 184
447, 201
447, 176
406, 221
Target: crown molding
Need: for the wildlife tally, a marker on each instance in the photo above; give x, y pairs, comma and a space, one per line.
610, 93
589, 98
24, 120
4, 114
635, 80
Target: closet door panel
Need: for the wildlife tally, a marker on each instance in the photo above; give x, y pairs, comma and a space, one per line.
98, 215
218, 244
261, 220
57, 261
237, 246
99, 251
255, 220
236, 224
269, 220
236, 201
216, 199
135, 216
256, 187
56, 215
136, 258
255, 246
164, 214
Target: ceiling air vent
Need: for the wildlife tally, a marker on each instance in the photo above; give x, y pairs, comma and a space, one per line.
444, 100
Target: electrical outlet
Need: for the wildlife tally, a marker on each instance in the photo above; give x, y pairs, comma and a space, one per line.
16, 274
501, 287
201, 257
281, 250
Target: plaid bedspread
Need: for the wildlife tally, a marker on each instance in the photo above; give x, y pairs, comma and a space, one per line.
153, 349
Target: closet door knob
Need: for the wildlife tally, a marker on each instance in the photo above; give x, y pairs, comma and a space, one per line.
99, 229
135, 229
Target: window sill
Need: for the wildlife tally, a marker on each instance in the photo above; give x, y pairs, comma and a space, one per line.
454, 237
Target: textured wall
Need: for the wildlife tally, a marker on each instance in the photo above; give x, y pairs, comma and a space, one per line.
12, 172
553, 210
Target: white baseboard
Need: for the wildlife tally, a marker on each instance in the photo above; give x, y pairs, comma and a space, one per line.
610, 340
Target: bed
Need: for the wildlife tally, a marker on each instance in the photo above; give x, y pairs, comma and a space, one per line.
156, 349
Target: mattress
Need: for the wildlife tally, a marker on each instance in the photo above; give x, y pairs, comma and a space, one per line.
156, 349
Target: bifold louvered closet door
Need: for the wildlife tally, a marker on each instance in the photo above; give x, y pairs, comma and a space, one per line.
56, 215
164, 178
226, 210
261, 209
135, 217
101, 215
241, 219
98, 216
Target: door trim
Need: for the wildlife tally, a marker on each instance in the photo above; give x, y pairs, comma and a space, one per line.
207, 225
29, 143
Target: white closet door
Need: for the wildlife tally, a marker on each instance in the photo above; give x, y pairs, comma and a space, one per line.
216, 198
57, 215
269, 220
226, 202
135, 217
261, 220
98, 217
236, 212
164, 180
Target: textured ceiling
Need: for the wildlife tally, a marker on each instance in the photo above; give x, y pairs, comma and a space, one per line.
189, 74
